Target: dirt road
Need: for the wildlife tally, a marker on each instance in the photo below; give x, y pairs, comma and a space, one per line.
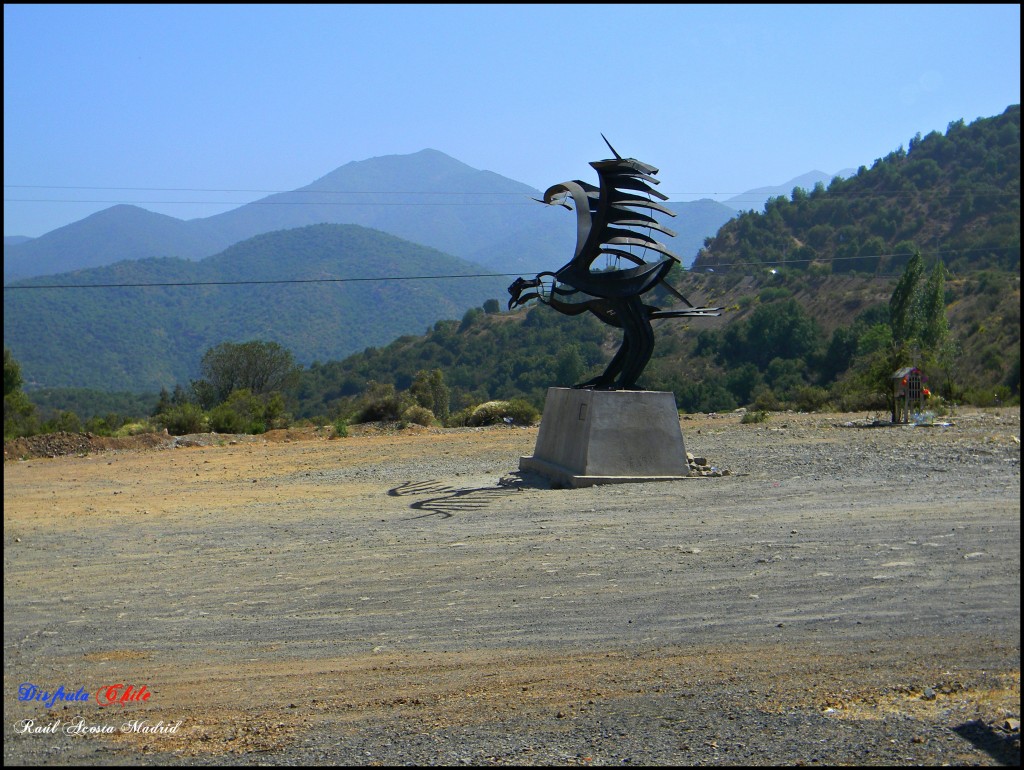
848, 595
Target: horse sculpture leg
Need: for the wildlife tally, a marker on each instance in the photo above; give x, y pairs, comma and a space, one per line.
638, 341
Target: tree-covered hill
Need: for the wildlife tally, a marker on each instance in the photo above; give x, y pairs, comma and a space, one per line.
781, 342
133, 338
953, 196
482, 357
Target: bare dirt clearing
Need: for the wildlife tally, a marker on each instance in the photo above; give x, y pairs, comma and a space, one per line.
847, 595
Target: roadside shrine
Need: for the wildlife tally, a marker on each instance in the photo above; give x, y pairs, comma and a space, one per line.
908, 393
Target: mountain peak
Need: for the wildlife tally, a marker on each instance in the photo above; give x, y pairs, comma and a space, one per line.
415, 172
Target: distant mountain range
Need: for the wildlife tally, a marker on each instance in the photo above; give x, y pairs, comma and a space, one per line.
425, 197
397, 216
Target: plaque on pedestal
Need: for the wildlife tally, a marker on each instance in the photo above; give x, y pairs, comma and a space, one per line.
592, 437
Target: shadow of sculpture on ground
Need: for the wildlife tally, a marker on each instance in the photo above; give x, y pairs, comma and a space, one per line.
1004, 747
446, 500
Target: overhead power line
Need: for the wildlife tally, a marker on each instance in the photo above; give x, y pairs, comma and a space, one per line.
272, 192
248, 283
747, 195
714, 268
269, 203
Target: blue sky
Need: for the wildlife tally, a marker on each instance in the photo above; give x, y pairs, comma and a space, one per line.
202, 105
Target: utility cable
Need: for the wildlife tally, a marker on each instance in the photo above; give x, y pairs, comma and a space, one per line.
712, 268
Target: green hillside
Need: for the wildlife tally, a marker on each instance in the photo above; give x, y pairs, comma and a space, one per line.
779, 344
955, 197
145, 338
484, 356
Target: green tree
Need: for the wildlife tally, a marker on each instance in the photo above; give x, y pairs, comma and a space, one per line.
259, 367
742, 380
63, 422
19, 413
163, 404
934, 324
938, 348
904, 307
570, 366
180, 397
842, 348
917, 315
431, 392
918, 331
12, 374
777, 330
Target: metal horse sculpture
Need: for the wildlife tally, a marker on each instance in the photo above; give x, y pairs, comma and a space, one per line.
604, 218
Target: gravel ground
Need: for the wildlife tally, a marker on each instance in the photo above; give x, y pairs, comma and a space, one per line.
847, 595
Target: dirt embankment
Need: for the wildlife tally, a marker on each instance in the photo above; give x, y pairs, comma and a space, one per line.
60, 444
81, 444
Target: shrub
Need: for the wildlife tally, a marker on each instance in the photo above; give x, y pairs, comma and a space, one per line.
851, 397
773, 293
133, 429
245, 412
809, 398
98, 426
523, 412
819, 269
755, 416
340, 428
1000, 395
460, 419
224, 419
183, 419
520, 412
471, 317
63, 422
418, 415
104, 426
765, 399
380, 402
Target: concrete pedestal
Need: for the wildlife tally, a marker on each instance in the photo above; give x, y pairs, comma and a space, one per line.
592, 437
